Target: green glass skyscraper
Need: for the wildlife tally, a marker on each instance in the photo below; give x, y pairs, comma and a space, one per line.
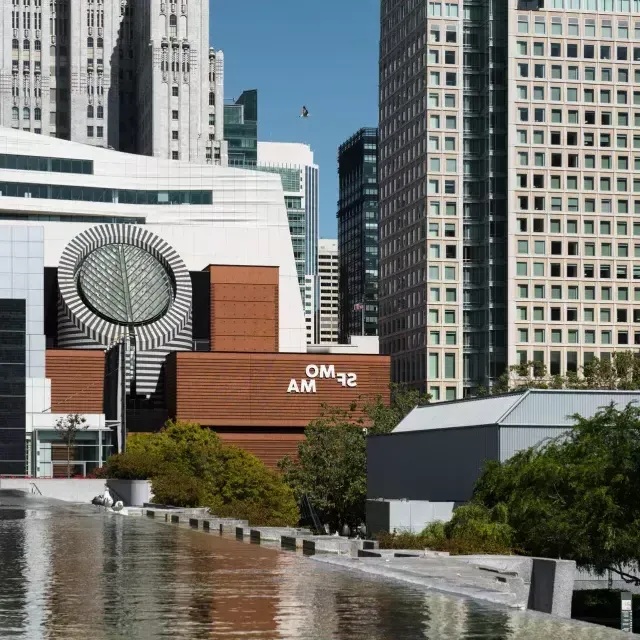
241, 129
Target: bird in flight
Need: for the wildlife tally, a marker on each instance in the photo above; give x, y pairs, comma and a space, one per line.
304, 113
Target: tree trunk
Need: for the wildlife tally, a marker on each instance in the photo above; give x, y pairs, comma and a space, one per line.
68, 460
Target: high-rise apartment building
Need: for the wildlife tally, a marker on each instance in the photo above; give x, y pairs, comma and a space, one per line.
507, 188
241, 129
137, 77
358, 234
293, 162
327, 310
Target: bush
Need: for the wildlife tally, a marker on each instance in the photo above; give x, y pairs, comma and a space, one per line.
133, 465
189, 466
179, 490
472, 529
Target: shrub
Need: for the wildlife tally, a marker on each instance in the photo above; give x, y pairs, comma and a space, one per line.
179, 490
189, 466
472, 529
132, 465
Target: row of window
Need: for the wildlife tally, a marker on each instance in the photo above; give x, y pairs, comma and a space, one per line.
26, 44
98, 111
572, 292
555, 359
99, 132
539, 293
573, 159
537, 225
573, 117
588, 314
571, 50
573, 336
573, 24
557, 248
589, 183
573, 73
589, 205
42, 163
100, 194
42, 217
555, 94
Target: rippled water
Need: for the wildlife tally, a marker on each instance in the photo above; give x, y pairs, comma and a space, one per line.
77, 572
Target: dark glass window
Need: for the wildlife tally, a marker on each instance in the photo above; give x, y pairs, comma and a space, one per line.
12, 387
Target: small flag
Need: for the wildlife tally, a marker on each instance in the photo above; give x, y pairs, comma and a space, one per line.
358, 306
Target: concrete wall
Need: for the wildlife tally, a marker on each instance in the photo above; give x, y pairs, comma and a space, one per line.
435, 466
406, 515
72, 490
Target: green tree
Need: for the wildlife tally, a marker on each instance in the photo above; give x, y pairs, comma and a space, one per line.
575, 497
190, 466
68, 428
621, 371
331, 468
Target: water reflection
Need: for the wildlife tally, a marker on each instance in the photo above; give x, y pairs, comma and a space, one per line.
76, 572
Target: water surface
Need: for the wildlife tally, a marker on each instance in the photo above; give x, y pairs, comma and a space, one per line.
74, 572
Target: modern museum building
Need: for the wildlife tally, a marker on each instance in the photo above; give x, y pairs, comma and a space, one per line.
134, 290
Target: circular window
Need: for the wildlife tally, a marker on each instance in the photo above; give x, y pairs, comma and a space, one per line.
125, 284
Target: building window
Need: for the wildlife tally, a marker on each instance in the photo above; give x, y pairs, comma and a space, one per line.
90, 111
174, 135
212, 98
175, 91
173, 26
100, 112
175, 155
37, 113
175, 114
100, 132
89, 132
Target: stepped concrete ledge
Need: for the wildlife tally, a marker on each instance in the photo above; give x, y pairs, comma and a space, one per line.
538, 584
274, 534
311, 545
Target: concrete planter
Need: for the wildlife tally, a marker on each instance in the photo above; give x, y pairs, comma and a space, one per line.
134, 493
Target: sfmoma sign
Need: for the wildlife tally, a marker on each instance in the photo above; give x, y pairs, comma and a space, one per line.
316, 372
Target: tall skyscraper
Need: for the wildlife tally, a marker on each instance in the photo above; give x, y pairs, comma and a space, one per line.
358, 234
327, 310
507, 187
294, 163
137, 77
241, 129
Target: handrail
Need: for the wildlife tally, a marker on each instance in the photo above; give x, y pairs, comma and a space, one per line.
35, 486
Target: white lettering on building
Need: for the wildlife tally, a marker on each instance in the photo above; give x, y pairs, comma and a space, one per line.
327, 371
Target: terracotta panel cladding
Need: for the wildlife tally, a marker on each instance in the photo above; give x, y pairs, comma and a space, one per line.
244, 309
77, 380
250, 389
269, 447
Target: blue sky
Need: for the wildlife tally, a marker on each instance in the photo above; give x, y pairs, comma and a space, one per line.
323, 54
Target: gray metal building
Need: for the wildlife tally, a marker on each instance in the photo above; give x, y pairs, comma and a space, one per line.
431, 461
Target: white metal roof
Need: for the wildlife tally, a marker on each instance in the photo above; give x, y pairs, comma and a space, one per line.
531, 408
467, 413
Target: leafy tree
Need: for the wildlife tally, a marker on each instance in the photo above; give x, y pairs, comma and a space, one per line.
68, 428
575, 497
622, 371
190, 466
331, 469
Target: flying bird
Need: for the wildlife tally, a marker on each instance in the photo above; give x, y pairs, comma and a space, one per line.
304, 113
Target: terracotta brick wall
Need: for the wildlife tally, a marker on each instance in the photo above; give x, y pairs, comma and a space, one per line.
244, 308
77, 380
251, 389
